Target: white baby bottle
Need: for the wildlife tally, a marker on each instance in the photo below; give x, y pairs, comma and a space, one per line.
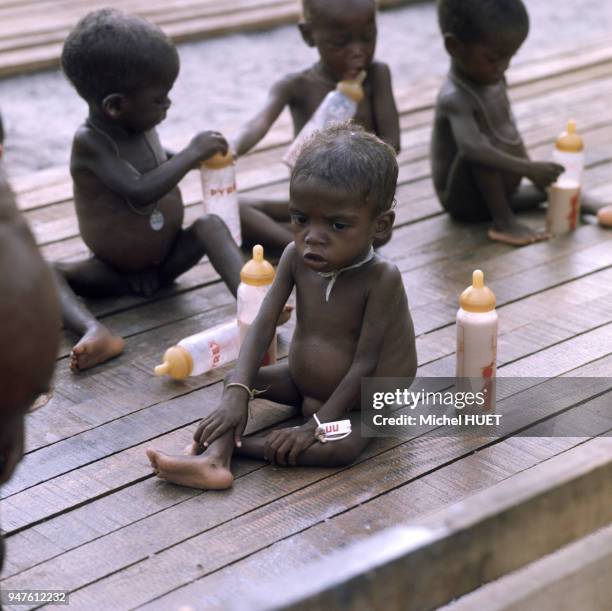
256, 278
564, 195
477, 337
201, 352
338, 106
219, 193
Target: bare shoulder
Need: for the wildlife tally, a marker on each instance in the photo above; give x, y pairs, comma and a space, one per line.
289, 85
385, 278
379, 73
452, 99
89, 143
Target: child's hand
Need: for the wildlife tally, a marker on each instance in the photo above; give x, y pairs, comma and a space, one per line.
206, 144
232, 416
285, 445
544, 173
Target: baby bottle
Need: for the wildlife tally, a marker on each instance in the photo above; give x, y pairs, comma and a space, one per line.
564, 195
338, 106
477, 336
256, 277
219, 192
202, 352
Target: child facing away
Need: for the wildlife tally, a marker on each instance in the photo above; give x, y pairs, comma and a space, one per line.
29, 330
344, 34
128, 205
478, 156
342, 192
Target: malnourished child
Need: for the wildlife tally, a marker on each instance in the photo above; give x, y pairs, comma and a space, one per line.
477, 153
342, 192
344, 34
127, 200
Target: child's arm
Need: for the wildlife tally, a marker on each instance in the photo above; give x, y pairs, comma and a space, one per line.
96, 154
232, 414
385, 111
256, 128
476, 148
286, 445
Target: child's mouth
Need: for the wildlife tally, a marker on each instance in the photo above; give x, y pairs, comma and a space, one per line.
314, 260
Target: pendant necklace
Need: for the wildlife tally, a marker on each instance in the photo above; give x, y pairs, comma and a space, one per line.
156, 217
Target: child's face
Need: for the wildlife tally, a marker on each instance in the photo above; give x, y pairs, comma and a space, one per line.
331, 228
345, 36
145, 108
486, 62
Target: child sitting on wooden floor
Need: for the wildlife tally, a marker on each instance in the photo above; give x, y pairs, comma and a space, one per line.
478, 156
342, 192
344, 34
127, 201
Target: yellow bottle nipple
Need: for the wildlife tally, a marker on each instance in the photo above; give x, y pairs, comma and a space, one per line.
177, 364
219, 161
257, 271
570, 141
353, 88
478, 297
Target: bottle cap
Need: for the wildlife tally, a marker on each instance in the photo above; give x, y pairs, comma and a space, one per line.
570, 140
478, 297
177, 364
257, 271
353, 88
218, 160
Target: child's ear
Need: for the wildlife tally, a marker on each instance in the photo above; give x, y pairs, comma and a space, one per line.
306, 32
452, 44
113, 105
383, 225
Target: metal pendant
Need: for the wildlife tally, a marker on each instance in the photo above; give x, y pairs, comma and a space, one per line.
156, 220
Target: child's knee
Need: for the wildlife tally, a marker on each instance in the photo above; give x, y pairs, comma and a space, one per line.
209, 224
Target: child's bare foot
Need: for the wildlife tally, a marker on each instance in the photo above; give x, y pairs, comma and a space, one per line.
516, 234
95, 347
204, 471
604, 216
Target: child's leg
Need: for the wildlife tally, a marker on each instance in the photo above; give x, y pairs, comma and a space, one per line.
211, 468
331, 454
265, 221
93, 278
210, 236
476, 193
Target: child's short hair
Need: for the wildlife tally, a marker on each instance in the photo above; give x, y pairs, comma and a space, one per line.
310, 7
112, 52
346, 157
474, 20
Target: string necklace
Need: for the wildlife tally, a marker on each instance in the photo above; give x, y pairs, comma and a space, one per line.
156, 217
333, 275
501, 137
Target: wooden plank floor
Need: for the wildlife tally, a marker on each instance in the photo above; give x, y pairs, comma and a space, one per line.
32, 31
83, 511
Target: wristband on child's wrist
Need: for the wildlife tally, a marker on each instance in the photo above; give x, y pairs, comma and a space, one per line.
332, 431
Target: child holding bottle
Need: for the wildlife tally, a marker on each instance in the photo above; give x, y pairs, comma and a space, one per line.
344, 34
128, 204
478, 156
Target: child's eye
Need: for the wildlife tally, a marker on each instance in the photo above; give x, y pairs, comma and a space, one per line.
298, 219
338, 43
338, 226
